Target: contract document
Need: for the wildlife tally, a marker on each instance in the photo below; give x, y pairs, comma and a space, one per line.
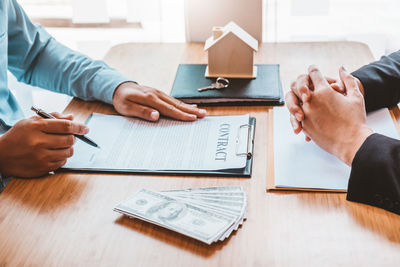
126, 144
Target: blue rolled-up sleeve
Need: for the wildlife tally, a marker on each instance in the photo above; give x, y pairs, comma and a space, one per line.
36, 58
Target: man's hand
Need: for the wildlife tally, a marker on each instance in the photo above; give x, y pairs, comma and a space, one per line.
35, 146
131, 99
336, 121
300, 93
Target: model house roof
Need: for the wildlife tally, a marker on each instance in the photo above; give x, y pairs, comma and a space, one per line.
233, 28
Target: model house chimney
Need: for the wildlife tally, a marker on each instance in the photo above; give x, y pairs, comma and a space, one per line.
217, 32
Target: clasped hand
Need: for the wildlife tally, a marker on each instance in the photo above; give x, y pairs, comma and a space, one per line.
330, 112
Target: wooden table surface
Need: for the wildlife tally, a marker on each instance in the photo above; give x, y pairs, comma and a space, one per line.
67, 219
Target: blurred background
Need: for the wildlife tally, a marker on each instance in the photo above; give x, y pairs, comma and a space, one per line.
94, 26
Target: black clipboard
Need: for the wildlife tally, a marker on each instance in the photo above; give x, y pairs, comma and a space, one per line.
242, 172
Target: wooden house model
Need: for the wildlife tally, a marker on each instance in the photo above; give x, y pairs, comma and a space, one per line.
231, 53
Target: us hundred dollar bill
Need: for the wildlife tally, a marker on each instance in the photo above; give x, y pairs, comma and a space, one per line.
176, 215
210, 189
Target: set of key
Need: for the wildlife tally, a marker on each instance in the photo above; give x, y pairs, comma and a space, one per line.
220, 83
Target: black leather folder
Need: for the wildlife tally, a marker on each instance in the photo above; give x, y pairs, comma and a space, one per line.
266, 89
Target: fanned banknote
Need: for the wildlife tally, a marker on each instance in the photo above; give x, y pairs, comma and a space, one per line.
206, 214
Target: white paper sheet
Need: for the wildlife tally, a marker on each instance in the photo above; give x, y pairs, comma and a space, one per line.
133, 144
301, 164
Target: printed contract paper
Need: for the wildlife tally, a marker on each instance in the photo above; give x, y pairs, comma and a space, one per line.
211, 143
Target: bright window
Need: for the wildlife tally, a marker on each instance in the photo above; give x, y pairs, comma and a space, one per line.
375, 22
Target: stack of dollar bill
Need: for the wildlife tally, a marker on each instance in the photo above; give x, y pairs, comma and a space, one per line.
206, 214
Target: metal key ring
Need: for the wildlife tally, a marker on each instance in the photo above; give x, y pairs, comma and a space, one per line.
222, 82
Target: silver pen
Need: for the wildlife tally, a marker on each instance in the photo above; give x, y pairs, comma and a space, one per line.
46, 115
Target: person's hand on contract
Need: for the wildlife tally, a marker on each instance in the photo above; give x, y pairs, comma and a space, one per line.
332, 114
131, 99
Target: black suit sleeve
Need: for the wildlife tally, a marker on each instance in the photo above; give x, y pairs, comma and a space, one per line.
381, 81
375, 173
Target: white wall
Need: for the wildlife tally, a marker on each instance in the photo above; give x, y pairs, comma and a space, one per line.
202, 15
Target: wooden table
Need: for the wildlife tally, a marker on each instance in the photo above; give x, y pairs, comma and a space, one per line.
67, 219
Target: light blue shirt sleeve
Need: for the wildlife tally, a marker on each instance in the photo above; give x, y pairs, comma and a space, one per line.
36, 58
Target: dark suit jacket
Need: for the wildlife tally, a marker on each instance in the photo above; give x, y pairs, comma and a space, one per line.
375, 173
